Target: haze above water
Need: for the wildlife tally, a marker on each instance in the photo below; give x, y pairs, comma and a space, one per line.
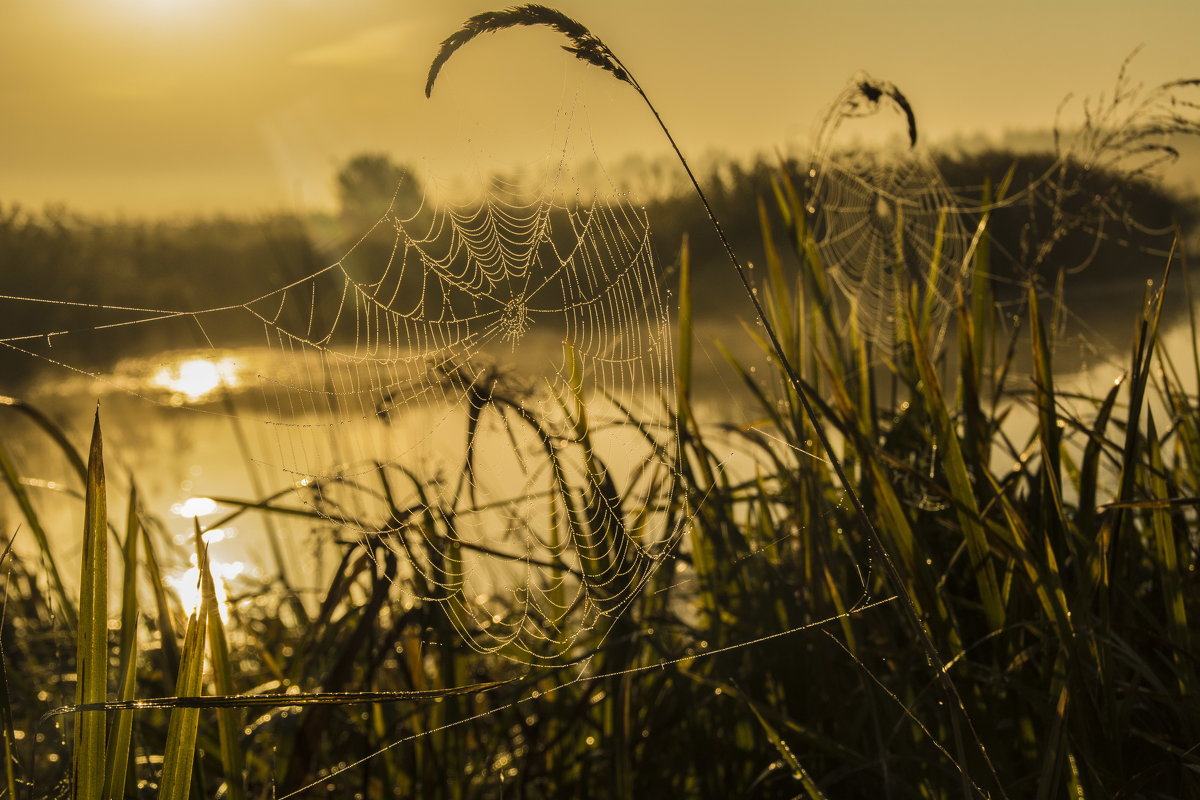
153, 107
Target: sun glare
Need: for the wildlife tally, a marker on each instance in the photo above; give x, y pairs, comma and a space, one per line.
187, 586
194, 507
196, 378
165, 7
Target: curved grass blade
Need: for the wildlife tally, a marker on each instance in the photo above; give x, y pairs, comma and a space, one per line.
52, 430
39, 534
166, 628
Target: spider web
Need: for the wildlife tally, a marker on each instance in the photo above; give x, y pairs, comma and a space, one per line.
478, 388
885, 223
888, 227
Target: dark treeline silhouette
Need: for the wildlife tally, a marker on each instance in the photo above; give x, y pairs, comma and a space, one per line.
184, 266
1102, 230
1096, 226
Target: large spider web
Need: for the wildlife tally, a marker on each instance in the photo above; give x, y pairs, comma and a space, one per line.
479, 387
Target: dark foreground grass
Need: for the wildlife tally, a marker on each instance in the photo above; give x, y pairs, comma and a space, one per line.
769, 657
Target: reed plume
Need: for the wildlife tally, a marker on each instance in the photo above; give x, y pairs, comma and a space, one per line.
585, 45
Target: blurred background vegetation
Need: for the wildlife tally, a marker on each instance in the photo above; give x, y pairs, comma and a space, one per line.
1111, 237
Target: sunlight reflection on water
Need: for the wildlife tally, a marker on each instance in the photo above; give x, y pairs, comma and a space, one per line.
184, 457
193, 379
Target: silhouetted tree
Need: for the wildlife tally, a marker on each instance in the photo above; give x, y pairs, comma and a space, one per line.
369, 183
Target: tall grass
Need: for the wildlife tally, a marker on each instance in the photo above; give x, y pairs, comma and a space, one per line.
784, 650
767, 657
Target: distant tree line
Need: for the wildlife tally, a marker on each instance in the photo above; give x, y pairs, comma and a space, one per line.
1108, 230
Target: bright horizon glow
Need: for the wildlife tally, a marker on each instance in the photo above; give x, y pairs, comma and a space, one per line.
166, 8
170, 107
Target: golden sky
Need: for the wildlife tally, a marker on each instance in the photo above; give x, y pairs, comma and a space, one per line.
175, 106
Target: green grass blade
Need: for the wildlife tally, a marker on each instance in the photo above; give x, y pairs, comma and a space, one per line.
228, 719
1143, 350
129, 602
162, 606
981, 285
1049, 434
1089, 467
88, 765
931, 280
6, 715
184, 722
778, 302
121, 731
798, 772
1167, 552
6, 718
684, 378
959, 481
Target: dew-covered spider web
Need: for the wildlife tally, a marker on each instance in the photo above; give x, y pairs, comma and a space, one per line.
890, 230
886, 226
477, 389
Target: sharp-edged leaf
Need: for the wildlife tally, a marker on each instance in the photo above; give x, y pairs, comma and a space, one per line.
87, 777
162, 607
950, 453
122, 730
